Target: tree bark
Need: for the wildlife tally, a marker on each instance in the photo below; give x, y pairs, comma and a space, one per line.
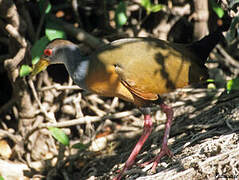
15, 28
200, 16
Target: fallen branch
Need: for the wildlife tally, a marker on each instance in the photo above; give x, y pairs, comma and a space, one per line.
79, 34
90, 119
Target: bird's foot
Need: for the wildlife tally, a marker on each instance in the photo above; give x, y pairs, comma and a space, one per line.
148, 126
120, 175
164, 151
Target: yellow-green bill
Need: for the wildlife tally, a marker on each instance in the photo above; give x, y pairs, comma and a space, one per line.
40, 66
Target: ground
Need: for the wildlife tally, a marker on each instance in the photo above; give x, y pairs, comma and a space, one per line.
204, 141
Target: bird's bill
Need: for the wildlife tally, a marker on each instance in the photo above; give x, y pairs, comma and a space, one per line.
40, 66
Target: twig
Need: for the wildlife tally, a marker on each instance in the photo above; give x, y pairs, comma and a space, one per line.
228, 59
79, 34
96, 110
4, 133
43, 15
95, 99
114, 103
14, 33
43, 110
229, 125
78, 109
74, 4
11, 64
90, 119
59, 87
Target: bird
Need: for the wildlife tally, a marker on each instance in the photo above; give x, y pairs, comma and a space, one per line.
137, 70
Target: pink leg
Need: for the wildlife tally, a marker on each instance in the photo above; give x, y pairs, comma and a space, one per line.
148, 125
164, 150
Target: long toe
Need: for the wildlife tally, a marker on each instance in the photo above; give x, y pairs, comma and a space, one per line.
164, 151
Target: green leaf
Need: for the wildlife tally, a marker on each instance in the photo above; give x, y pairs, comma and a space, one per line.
156, 8
38, 48
151, 7
79, 146
120, 14
210, 80
1, 178
25, 70
147, 5
44, 6
59, 135
54, 31
217, 9
233, 84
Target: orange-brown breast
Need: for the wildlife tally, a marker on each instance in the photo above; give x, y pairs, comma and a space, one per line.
104, 81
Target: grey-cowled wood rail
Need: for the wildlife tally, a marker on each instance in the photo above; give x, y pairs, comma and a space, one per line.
136, 70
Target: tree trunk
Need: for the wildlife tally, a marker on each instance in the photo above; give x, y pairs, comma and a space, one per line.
200, 16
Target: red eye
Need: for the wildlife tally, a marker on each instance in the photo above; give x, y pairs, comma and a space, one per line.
48, 52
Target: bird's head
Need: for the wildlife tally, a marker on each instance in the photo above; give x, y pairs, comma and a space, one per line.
56, 52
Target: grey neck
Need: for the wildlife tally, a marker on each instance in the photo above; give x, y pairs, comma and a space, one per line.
76, 65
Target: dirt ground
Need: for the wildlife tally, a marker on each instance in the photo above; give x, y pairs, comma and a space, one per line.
204, 141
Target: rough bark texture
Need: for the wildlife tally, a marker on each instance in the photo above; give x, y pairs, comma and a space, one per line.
15, 27
200, 16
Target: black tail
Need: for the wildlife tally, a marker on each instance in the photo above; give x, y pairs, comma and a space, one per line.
203, 47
